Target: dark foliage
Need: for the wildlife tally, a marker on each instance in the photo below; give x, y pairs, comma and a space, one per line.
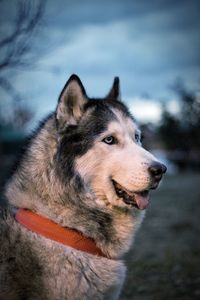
182, 131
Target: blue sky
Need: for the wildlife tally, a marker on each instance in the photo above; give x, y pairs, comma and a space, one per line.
148, 44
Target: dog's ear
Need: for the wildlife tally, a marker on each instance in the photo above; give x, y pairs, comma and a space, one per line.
115, 90
70, 104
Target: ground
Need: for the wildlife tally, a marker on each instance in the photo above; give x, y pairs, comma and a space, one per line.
165, 260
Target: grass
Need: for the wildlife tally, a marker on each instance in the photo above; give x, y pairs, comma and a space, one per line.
165, 260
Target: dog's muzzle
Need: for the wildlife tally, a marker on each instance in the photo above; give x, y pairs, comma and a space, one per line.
140, 198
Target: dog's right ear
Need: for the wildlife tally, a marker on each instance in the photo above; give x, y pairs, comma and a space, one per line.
115, 90
70, 104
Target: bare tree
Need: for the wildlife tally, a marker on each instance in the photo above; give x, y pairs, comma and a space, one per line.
17, 50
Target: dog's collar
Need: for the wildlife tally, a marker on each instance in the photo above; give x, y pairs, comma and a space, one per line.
55, 232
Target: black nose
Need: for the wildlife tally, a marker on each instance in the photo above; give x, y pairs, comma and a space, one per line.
157, 169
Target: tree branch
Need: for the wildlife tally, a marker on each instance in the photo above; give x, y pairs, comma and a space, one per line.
7, 86
18, 44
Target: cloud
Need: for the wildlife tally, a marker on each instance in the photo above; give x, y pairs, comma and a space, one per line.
145, 110
147, 60
150, 110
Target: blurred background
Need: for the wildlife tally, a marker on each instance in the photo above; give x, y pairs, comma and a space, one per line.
153, 46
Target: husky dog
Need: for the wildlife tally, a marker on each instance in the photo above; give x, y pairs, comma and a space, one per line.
85, 171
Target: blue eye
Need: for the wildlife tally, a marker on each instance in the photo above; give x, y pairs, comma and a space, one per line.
110, 140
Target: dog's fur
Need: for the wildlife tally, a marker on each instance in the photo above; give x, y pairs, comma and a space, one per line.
66, 175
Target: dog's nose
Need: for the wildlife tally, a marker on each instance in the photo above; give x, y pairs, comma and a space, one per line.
156, 169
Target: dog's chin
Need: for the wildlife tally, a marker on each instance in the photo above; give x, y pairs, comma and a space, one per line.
131, 199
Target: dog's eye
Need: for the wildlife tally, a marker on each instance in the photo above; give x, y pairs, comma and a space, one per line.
110, 140
137, 137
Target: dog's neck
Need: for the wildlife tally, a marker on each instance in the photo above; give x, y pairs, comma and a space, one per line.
113, 231
48, 229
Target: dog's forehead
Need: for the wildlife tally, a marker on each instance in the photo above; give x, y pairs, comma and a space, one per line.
101, 116
127, 124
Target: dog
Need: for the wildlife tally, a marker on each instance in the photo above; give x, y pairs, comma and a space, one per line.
76, 200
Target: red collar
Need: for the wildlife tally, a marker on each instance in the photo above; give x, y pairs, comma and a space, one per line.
55, 232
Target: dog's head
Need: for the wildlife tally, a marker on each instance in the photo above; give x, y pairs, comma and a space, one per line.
100, 142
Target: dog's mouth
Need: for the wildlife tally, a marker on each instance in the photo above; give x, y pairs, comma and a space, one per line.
139, 200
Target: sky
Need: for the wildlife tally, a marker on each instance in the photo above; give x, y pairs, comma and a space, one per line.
148, 44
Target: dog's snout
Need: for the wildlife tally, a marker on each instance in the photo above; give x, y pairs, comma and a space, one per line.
157, 169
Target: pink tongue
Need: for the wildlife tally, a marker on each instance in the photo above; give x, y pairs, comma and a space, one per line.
142, 199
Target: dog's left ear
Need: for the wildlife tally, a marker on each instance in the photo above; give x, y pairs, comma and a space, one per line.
115, 90
70, 104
